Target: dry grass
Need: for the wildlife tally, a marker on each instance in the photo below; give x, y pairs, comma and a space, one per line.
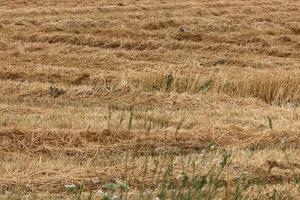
147, 99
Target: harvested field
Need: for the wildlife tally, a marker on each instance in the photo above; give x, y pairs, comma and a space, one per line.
139, 99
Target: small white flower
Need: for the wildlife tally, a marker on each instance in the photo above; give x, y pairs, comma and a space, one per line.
179, 177
96, 180
100, 193
291, 105
157, 198
203, 152
70, 186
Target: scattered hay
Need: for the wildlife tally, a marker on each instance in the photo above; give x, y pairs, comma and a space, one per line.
106, 136
56, 92
160, 25
14, 140
205, 78
188, 36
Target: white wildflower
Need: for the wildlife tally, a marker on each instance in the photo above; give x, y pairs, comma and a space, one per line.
179, 177
70, 186
100, 193
96, 180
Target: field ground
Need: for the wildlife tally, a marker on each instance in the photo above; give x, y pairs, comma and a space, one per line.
143, 99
